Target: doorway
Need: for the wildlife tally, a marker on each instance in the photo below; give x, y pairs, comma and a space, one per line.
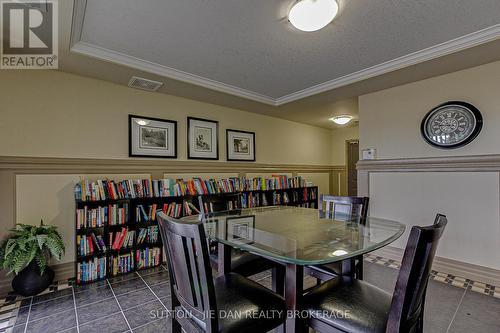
352, 157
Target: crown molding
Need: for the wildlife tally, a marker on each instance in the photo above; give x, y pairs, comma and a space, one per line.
105, 54
455, 45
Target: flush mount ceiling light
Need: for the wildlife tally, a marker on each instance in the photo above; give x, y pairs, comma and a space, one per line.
312, 15
341, 120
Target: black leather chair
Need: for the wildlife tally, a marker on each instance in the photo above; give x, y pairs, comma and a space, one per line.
242, 262
201, 303
343, 209
345, 304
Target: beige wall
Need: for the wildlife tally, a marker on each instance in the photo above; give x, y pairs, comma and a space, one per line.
390, 122
55, 114
50, 113
339, 138
390, 119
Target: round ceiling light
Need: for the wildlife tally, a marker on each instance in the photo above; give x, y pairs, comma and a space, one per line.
312, 15
341, 120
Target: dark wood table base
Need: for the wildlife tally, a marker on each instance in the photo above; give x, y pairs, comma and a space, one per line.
293, 287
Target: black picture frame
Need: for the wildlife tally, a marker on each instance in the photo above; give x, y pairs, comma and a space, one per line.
248, 221
475, 111
130, 143
189, 143
229, 144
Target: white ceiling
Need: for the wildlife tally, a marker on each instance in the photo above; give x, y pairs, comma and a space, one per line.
248, 48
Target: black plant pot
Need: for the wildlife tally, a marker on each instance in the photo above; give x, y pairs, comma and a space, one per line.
29, 282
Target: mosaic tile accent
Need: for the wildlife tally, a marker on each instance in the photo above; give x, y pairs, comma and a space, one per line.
12, 304
456, 281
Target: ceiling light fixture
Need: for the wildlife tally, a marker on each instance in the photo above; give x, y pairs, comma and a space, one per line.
312, 15
341, 120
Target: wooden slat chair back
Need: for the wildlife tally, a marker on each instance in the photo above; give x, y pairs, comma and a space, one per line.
189, 269
345, 208
407, 306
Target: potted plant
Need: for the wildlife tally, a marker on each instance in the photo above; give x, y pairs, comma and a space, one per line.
25, 253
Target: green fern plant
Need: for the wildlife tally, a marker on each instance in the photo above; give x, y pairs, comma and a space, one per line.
29, 243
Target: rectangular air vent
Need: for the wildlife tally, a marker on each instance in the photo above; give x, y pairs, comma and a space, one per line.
144, 84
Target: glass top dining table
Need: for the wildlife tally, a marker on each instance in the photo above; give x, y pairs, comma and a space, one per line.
296, 238
300, 236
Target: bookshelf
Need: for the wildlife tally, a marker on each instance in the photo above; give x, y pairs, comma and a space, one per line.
116, 228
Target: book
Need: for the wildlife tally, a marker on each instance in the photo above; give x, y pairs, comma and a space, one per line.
105, 189
111, 243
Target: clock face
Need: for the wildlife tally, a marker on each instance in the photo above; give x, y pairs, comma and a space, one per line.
452, 125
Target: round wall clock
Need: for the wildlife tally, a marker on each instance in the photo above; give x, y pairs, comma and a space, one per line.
451, 125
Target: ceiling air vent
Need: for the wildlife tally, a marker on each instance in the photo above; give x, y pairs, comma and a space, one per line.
144, 84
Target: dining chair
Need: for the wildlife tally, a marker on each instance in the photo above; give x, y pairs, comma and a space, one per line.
345, 304
242, 262
201, 303
342, 209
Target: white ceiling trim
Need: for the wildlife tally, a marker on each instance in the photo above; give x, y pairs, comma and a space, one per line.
455, 45
154, 68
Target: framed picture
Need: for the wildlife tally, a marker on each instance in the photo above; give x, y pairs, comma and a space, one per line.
152, 137
241, 229
240, 145
212, 228
203, 139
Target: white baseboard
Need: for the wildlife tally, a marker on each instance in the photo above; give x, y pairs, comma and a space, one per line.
450, 266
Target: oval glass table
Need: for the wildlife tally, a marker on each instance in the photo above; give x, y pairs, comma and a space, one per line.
296, 237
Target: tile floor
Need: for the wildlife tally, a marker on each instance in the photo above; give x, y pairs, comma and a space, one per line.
135, 303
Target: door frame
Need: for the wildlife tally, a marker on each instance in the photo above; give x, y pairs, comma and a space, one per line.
346, 159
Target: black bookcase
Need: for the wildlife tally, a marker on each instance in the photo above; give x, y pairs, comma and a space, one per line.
303, 197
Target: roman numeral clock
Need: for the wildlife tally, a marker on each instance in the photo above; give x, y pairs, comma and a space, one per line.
451, 125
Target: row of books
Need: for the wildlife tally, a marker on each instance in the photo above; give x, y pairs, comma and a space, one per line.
109, 189
101, 216
178, 210
90, 244
91, 270
281, 198
310, 194
148, 235
142, 216
86, 190
148, 257
172, 209
229, 205
121, 264
250, 200
197, 186
121, 239
308, 205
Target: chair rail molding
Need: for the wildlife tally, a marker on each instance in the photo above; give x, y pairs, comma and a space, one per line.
13, 166
449, 164
445, 164
95, 165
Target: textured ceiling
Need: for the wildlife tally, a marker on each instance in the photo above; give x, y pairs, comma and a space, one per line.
314, 110
248, 44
